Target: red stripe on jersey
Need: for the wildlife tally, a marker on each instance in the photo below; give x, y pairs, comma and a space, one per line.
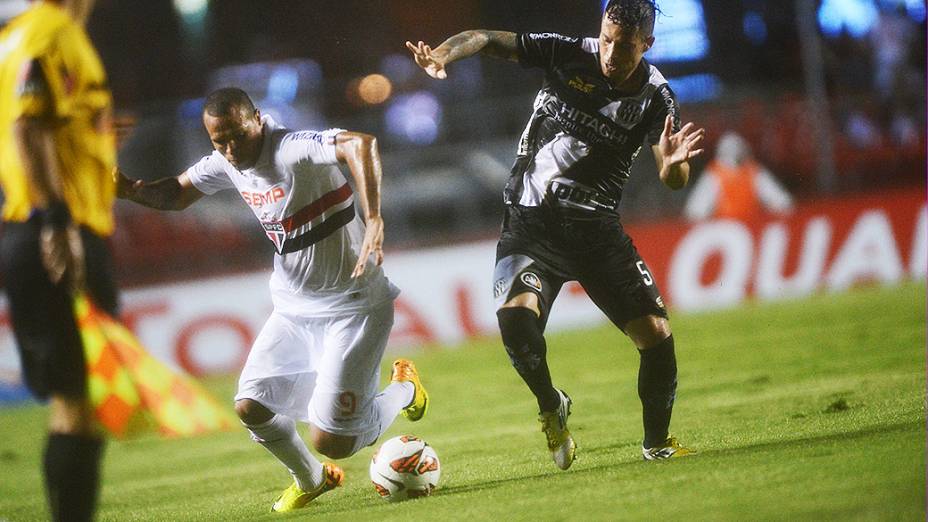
316, 208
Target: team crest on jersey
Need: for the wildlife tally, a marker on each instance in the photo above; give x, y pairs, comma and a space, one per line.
624, 112
660, 301
275, 232
531, 280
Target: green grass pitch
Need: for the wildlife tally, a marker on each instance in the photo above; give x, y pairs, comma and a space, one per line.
803, 410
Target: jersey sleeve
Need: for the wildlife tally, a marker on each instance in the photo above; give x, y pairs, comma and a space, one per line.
666, 102
208, 176
309, 147
543, 50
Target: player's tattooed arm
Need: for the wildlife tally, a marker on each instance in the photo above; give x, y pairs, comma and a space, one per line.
173, 193
499, 44
360, 152
674, 150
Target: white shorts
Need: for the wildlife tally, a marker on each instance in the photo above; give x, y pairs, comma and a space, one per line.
322, 370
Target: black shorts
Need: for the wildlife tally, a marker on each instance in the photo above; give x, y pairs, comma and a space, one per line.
541, 248
42, 314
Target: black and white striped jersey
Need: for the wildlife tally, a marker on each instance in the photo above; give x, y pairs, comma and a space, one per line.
581, 128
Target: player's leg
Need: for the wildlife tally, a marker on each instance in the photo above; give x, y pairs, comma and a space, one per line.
623, 288
53, 365
657, 384
524, 294
346, 411
269, 404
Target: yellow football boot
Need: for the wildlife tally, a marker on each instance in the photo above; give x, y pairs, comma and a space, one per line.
671, 448
294, 498
405, 371
554, 425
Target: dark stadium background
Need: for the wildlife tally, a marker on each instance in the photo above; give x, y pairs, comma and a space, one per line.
447, 146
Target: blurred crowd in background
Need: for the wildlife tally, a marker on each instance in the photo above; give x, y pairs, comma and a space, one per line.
738, 66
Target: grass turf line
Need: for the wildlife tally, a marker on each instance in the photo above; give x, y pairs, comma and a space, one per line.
811, 409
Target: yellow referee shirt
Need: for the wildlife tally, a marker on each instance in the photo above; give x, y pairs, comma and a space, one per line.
50, 70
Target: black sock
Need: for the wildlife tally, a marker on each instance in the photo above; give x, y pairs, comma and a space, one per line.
526, 347
72, 475
657, 388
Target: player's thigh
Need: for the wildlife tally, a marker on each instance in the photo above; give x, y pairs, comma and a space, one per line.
349, 371
42, 317
279, 372
624, 289
519, 281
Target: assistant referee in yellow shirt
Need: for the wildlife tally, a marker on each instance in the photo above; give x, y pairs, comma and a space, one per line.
57, 151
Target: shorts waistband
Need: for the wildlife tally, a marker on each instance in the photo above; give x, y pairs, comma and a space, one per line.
570, 194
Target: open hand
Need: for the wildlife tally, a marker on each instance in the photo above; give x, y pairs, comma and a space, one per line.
62, 254
680, 146
373, 244
433, 63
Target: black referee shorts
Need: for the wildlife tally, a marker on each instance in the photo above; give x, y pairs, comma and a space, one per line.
42, 314
541, 248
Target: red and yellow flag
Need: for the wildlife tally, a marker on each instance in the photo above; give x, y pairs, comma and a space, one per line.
133, 392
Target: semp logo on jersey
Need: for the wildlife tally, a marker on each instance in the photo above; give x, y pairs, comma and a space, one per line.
531, 280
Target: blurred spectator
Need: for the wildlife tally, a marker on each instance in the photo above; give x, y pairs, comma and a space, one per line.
892, 39
735, 186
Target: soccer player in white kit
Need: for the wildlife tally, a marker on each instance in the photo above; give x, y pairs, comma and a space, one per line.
317, 358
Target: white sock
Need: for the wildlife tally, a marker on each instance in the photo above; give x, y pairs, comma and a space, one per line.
387, 405
280, 437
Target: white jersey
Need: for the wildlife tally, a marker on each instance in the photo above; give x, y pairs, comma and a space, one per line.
306, 207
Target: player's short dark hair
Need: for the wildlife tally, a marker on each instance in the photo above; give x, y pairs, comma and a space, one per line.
227, 100
633, 14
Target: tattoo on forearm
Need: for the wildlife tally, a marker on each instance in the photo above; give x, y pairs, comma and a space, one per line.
499, 44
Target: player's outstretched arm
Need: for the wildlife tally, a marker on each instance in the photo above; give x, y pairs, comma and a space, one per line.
674, 150
500, 44
175, 193
359, 151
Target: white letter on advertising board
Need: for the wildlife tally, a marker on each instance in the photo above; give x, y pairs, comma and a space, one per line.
868, 253
770, 282
729, 239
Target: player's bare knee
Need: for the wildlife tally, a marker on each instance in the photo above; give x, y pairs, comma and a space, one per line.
252, 412
524, 300
648, 331
332, 446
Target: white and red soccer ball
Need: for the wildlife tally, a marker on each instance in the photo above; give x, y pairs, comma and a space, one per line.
405, 467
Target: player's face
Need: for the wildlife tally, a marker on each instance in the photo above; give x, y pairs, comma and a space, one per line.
237, 136
620, 50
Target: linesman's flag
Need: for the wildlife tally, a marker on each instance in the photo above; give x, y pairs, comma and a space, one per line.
132, 392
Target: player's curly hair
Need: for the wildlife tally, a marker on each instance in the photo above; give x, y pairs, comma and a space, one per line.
227, 100
638, 14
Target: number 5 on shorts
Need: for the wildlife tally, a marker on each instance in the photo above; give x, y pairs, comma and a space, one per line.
645, 275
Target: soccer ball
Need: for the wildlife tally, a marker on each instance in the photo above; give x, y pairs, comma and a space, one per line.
405, 467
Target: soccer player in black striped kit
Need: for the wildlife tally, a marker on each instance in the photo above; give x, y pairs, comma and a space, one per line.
599, 103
